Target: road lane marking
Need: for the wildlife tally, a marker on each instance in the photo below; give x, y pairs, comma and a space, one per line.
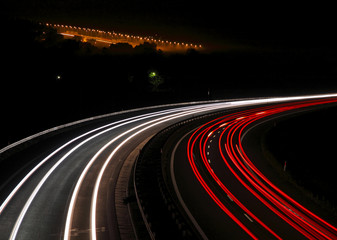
251, 220
99, 178
51, 170
234, 104
229, 198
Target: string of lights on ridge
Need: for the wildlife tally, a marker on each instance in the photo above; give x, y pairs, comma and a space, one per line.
110, 37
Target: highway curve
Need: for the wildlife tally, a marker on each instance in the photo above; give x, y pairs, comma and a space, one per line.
227, 195
65, 190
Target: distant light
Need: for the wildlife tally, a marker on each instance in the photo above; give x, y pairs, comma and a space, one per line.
152, 74
259, 113
67, 34
222, 125
58, 77
96, 33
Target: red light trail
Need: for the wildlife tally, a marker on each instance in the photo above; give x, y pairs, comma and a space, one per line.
231, 129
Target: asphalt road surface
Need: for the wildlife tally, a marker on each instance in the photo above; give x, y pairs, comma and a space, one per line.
64, 195
227, 195
65, 189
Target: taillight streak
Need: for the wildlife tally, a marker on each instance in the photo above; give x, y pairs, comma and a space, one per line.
210, 192
295, 212
304, 221
233, 157
142, 127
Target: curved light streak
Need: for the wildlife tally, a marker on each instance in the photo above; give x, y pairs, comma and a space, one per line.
37, 188
234, 126
31, 172
84, 172
99, 178
51, 170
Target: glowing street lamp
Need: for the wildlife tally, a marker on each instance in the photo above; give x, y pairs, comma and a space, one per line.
152, 74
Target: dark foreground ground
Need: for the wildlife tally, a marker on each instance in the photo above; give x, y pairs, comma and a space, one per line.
308, 143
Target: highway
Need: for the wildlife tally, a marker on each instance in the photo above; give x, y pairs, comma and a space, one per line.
67, 192
231, 198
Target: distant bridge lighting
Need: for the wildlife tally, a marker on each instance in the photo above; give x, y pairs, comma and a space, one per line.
108, 38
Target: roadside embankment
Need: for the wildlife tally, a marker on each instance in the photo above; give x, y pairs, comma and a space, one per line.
306, 144
162, 213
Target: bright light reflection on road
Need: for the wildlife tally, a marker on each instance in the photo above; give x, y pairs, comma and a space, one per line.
196, 109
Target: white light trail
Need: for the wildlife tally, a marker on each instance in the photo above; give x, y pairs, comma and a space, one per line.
197, 108
67, 34
84, 172
43, 180
14, 191
20, 184
99, 178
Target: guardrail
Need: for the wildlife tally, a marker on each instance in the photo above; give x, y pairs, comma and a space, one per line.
154, 191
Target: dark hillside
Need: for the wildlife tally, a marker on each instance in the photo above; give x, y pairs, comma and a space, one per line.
47, 80
308, 144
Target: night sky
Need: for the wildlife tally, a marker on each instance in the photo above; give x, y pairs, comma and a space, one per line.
220, 23
280, 46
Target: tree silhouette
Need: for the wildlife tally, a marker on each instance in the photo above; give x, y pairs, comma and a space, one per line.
155, 80
121, 48
146, 48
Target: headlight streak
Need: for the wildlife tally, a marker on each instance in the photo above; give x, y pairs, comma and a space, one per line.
42, 181
37, 188
289, 210
83, 174
86, 169
19, 185
195, 110
152, 124
234, 102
